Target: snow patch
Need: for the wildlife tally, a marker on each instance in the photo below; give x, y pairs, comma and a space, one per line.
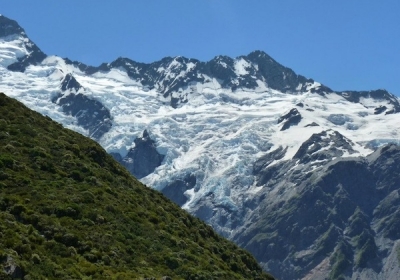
241, 66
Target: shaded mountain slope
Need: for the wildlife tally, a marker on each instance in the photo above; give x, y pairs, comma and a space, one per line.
330, 217
69, 211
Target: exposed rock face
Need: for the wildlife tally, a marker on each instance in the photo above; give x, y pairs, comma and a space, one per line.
90, 114
379, 110
35, 57
267, 159
312, 124
69, 83
10, 27
143, 158
175, 190
380, 94
324, 146
290, 119
341, 218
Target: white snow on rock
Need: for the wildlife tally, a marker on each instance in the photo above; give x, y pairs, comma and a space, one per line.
241, 66
216, 136
11, 48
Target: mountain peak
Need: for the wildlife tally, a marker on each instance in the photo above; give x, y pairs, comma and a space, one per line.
9, 27
29, 54
259, 53
70, 83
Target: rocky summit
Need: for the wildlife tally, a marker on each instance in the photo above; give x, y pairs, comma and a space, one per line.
301, 175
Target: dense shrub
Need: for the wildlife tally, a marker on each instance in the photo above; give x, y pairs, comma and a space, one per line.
69, 211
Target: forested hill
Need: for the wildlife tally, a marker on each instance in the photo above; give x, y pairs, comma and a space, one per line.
69, 211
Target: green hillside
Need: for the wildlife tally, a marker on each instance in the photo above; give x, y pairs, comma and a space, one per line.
69, 211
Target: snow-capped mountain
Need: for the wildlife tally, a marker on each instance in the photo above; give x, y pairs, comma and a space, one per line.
235, 141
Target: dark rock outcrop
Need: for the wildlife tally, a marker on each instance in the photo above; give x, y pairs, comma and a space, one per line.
175, 190
290, 119
70, 83
9, 27
90, 114
380, 94
268, 158
35, 56
311, 124
324, 146
143, 159
262, 169
380, 109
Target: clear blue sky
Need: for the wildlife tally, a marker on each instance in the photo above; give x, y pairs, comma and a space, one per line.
346, 45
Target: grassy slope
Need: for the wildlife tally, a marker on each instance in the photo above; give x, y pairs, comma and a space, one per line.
69, 211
